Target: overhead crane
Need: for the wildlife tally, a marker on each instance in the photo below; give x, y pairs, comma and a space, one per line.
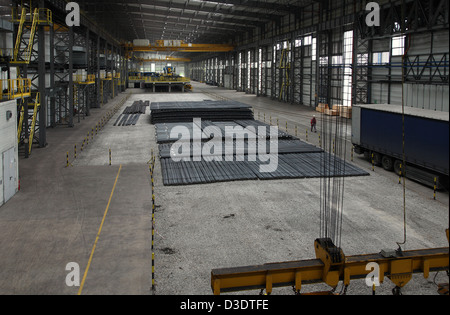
178, 46
330, 267
164, 59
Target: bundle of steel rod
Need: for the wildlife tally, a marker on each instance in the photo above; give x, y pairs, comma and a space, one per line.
204, 142
166, 150
166, 132
131, 114
166, 112
290, 166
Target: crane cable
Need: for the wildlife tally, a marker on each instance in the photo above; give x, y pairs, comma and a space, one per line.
333, 168
403, 139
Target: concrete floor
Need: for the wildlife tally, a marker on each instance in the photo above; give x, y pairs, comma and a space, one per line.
55, 218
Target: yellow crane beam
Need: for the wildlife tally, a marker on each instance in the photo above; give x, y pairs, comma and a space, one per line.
163, 59
180, 47
398, 269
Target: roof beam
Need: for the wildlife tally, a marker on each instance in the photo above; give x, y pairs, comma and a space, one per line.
217, 10
148, 14
272, 6
191, 21
183, 47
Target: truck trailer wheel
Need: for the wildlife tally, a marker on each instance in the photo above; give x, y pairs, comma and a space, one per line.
387, 163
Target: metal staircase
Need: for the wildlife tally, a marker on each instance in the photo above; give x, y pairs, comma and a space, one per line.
285, 68
27, 133
25, 37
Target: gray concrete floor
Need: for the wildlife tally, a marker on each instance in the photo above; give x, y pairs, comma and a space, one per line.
56, 216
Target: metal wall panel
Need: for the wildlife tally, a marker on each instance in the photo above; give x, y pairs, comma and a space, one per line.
8, 141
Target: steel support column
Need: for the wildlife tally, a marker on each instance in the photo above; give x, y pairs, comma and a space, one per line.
70, 78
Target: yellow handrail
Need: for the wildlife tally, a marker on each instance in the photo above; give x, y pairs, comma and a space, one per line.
33, 32
19, 33
83, 79
37, 104
19, 129
39, 16
15, 88
47, 16
6, 52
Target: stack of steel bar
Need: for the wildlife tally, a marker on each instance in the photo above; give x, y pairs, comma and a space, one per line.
290, 166
257, 125
163, 130
168, 150
217, 148
131, 114
165, 112
167, 133
194, 162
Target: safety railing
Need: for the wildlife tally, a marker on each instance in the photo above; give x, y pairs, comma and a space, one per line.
135, 78
44, 16
15, 88
36, 104
166, 79
84, 79
159, 79
6, 52
19, 33
107, 76
24, 56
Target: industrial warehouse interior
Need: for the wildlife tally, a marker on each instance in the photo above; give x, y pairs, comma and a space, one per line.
226, 147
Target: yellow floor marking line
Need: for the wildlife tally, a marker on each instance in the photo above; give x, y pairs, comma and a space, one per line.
98, 234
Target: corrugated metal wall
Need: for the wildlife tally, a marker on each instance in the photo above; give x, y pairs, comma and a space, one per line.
8, 138
384, 78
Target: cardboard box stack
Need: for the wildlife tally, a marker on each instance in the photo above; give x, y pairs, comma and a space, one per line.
346, 112
334, 111
322, 107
